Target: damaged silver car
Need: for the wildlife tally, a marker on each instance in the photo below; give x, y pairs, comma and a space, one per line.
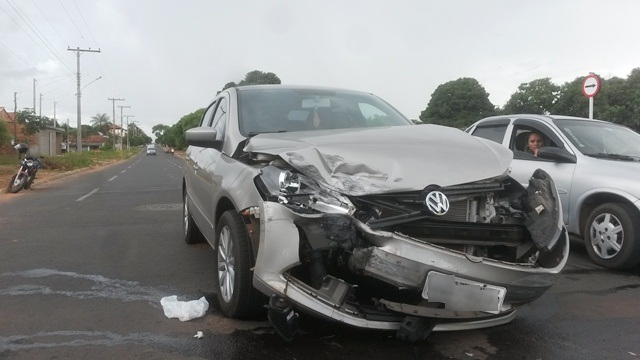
330, 202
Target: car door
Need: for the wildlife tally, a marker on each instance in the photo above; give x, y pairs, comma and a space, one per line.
199, 182
524, 163
211, 159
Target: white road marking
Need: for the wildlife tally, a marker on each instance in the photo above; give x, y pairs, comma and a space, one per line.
113, 178
89, 194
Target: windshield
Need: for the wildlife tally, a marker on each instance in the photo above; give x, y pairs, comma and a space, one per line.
601, 139
284, 110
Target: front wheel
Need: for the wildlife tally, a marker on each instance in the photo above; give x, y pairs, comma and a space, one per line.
611, 236
234, 279
16, 185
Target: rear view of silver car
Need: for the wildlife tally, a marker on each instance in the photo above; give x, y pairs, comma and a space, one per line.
330, 202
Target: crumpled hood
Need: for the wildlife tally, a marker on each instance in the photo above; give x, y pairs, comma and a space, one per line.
386, 159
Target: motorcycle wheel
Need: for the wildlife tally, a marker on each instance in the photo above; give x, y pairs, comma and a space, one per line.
15, 187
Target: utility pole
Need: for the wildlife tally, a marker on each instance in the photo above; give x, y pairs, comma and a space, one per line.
113, 103
40, 111
79, 94
128, 116
67, 135
122, 107
15, 116
34, 96
54, 113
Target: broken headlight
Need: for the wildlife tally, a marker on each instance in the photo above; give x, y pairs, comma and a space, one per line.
287, 186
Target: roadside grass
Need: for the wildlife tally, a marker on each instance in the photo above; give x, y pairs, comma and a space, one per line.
72, 161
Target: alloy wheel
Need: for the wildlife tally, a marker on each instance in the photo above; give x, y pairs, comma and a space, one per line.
226, 264
607, 235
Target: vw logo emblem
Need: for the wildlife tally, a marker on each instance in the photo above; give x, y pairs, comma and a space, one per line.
437, 203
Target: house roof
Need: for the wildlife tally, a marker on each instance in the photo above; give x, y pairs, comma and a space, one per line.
5, 115
90, 139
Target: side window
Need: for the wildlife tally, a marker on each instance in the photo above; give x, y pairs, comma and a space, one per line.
207, 118
526, 139
493, 132
372, 115
220, 119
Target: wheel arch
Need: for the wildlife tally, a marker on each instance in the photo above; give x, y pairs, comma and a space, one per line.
591, 201
224, 204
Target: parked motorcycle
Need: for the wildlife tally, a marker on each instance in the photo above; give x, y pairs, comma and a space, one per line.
26, 173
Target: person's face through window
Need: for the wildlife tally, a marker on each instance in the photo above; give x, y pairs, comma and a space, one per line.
535, 143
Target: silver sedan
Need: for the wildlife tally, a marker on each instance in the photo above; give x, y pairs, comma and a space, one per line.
331, 202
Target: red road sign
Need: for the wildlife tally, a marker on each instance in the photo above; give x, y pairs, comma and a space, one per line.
590, 85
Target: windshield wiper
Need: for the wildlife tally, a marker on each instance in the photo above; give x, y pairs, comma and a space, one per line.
252, 134
615, 156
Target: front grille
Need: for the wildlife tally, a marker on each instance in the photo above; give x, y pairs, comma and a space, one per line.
412, 204
462, 224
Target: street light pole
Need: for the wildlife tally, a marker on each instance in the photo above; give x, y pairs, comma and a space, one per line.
128, 116
113, 102
122, 107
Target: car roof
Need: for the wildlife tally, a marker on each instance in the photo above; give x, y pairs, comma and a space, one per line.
294, 87
544, 118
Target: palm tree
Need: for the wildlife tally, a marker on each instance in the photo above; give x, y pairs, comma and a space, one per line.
101, 122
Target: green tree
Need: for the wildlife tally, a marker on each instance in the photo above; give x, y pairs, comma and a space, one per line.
633, 95
255, 77
4, 133
613, 102
32, 123
571, 101
174, 136
101, 122
88, 130
159, 129
458, 103
536, 97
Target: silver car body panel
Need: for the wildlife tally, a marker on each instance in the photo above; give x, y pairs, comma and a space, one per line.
348, 160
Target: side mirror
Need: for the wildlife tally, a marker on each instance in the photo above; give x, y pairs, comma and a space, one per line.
556, 154
203, 137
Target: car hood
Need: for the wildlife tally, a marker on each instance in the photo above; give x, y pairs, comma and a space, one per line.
386, 159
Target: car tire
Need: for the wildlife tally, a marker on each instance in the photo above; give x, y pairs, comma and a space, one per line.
236, 295
611, 236
192, 234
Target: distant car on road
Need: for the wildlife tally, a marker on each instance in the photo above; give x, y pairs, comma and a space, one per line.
596, 167
331, 202
151, 150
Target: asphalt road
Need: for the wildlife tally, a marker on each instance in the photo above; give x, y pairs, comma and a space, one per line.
85, 260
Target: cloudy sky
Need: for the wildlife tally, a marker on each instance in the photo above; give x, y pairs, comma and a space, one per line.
168, 58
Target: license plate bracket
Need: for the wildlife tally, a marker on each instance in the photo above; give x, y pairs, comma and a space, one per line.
459, 294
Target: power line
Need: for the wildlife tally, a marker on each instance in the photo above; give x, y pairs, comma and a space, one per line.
45, 17
73, 22
85, 22
18, 56
36, 31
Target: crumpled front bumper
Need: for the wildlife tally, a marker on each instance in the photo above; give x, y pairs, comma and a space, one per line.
403, 262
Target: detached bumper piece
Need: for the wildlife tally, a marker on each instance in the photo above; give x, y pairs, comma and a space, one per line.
282, 317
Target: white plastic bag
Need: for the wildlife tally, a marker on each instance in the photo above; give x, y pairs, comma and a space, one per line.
183, 310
